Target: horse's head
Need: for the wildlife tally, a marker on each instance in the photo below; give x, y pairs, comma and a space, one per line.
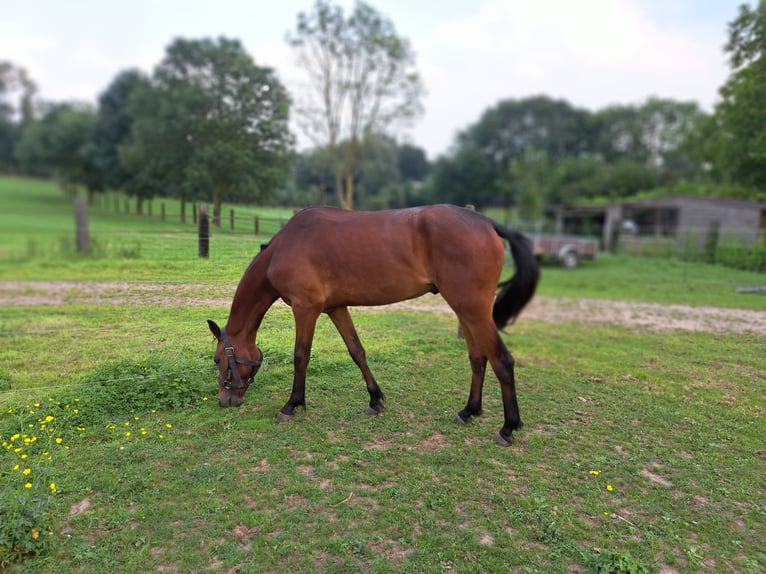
236, 369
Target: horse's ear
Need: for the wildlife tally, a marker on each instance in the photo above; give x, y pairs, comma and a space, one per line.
215, 329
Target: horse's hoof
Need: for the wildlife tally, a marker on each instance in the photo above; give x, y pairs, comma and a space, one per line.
461, 420
374, 410
283, 418
502, 441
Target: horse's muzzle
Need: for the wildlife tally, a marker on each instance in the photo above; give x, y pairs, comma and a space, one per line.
230, 400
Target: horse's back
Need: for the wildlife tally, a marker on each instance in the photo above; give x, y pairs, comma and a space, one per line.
376, 257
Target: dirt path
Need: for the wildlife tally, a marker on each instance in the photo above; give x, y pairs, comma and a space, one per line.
651, 316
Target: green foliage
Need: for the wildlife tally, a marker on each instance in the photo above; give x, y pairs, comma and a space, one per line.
25, 521
211, 124
739, 148
127, 387
57, 145
738, 255
611, 562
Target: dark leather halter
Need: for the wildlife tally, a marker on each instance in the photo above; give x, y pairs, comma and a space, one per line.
232, 359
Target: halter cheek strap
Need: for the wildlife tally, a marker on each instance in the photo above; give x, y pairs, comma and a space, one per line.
232, 360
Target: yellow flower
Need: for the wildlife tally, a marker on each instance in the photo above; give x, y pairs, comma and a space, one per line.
49, 419
35, 533
594, 472
609, 487
37, 405
59, 440
15, 437
168, 425
24, 456
26, 471
75, 411
52, 486
127, 433
28, 485
16, 467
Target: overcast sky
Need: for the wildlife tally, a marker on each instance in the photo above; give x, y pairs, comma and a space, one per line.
471, 53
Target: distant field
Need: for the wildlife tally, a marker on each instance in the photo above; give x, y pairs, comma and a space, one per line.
37, 242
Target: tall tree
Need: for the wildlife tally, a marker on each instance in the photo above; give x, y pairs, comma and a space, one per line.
741, 114
652, 134
57, 144
114, 125
17, 91
505, 131
213, 124
361, 80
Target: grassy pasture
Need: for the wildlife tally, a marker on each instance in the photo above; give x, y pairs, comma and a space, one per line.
642, 452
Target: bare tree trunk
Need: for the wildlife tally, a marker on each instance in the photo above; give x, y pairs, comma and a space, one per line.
347, 195
139, 205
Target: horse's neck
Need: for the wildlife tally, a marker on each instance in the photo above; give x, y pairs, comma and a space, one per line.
253, 297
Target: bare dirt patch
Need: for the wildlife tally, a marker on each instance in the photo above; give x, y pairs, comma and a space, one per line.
650, 316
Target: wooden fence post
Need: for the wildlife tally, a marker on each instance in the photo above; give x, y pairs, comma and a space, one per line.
162, 211
204, 231
194, 214
231, 218
256, 222
81, 225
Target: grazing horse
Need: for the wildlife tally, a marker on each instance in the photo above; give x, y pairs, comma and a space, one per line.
327, 259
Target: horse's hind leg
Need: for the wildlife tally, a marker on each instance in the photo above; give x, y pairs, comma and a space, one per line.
478, 368
490, 345
341, 318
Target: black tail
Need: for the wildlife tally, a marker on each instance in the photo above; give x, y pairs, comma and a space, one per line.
517, 291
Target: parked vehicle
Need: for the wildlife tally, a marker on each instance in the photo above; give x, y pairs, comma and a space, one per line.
567, 249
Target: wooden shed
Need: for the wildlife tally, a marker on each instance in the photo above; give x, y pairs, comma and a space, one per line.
680, 220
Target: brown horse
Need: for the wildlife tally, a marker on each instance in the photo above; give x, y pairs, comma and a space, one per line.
326, 259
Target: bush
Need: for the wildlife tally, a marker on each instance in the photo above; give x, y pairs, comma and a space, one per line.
127, 387
742, 256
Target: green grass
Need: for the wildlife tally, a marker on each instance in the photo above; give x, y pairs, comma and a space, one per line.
151, 475
672, 423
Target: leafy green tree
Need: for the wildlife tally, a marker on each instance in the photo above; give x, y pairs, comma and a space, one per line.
212, 124
58, 145
312, 173
361, 80
531, 178
505, 131
17, 91
466, 176
113, 128
652, 133
413, 163
740, 115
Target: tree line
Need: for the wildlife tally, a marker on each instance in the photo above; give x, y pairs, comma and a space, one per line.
210, 124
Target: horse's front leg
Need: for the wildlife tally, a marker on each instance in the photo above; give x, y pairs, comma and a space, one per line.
341, 318
305, 324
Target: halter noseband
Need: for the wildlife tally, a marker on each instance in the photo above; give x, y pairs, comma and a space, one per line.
233, 360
